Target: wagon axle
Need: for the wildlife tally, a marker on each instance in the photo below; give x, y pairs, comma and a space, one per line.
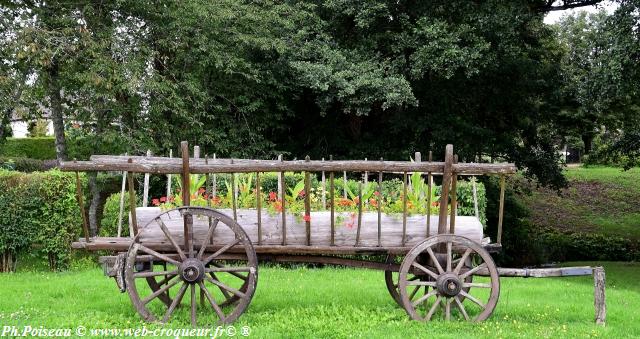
192, 270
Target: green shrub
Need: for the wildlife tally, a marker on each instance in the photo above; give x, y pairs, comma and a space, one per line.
42, 148
110, 215
26, 164
39, 213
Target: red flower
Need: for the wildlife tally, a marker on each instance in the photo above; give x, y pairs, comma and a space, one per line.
373, 202
215, 200
273, 196
301, 194
376, 193
307, 217
278, 205
163, 199
155, 202
201, 190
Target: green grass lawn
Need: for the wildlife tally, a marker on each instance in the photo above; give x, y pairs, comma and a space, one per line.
598, 200
337, 302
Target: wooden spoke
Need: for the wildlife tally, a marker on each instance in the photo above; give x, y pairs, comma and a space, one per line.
447, 309
449, 256
194, 305
226, 294
425, 270
228, 269
480, 285
424, 298
173, 242
154, 274
203, 247
435, 260
220, 251
473, 270
461, 308
235, 274
422, 283
215, 306
167, 278
433, 308
175, 303
462, 260
158, 255
414, 292
160, 291
472, 298
220, 284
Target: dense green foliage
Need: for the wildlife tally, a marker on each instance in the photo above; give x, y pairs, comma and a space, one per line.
41, 148
26, 164
39, 215
352, 79
111, 215
296, 303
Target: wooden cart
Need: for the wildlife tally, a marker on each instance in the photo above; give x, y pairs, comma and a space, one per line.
435, 265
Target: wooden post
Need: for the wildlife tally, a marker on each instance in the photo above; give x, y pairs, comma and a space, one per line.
359, 213
332, 202
366, 176
283, 186
404, 210
280, 180
85, 226
132, 203
430, 187
145, 190
307, 203
501, 209
344, 187
379, 207
186, 197
475, 197
169, 177
234, 195
214, 190
324, 191
259, 207
454, 199
599, 295
444, 195
121, 212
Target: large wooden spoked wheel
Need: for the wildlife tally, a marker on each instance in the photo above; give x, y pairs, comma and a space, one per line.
225, 281
450, 295
391, 279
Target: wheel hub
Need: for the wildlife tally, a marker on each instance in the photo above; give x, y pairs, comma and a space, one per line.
449, 285
192, 270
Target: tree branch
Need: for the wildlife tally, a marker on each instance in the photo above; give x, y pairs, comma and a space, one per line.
566, 4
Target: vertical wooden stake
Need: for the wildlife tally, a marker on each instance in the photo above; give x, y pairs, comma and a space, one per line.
429, 193
121, 212
359, 213
132, 203
366, 176
599, 295
444, 195
186, 198
280, 180
332, 202
475, 197
259, 207
404, 209
379, 207
85, 226
234, 195
501, 209
344, 186
145, 189
324, 190
283, 186
307, 203
214, 190
169, 177
454, 199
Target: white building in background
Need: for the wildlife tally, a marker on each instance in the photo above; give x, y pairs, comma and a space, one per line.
20, 126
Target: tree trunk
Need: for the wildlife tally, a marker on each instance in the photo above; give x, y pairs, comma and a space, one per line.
587, 139
57, 116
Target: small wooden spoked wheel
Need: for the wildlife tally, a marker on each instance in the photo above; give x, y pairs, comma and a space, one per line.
223, 272
434, 260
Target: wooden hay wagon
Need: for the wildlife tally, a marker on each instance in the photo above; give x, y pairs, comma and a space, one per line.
436, 265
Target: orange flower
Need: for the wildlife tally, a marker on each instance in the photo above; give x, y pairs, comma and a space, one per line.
373, 202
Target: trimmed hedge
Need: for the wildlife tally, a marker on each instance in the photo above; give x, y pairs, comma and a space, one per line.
26, 164
35, 148
38, 215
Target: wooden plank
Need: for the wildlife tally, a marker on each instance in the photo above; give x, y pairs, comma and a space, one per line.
133, 222
333, 205
259, 207
379, 207
186, 198
85, 226
404, 210
145, 189
454, 199
359, 213
599, 299
430, 187
166, 165
444, 194
283, 187
501, 209
307, 204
